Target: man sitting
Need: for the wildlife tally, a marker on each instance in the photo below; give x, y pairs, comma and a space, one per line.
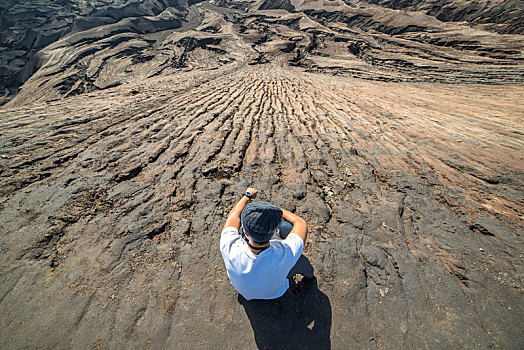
261, 245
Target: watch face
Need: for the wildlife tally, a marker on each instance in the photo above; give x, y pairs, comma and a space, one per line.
248, 195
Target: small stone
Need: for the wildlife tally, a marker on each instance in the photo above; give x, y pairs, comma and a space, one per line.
481, 249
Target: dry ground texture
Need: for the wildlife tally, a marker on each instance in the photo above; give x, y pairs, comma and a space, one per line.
130, 141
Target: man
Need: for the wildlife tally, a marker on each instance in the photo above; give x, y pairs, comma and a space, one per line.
261, 245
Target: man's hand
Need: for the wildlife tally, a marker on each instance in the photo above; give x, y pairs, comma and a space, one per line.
233, 219
253, 192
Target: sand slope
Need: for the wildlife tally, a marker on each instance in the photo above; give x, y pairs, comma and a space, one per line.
402, 148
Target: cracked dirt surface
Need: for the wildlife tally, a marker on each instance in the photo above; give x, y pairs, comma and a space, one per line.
112, 197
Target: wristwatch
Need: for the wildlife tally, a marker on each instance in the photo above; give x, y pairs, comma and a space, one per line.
247, 194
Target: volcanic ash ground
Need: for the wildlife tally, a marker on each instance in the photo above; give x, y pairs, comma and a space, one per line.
128, 135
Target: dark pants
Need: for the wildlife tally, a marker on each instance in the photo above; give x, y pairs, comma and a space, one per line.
303, 266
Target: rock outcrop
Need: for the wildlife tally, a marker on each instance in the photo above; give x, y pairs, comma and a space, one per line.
505, 16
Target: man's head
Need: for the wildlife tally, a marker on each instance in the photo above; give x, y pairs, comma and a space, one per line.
260, 220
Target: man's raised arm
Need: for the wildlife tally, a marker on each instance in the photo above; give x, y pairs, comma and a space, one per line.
299, 225
233, 218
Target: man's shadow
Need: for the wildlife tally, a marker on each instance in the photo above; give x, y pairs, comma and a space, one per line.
298, 320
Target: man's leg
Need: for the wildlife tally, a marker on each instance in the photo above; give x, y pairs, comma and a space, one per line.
284, 230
